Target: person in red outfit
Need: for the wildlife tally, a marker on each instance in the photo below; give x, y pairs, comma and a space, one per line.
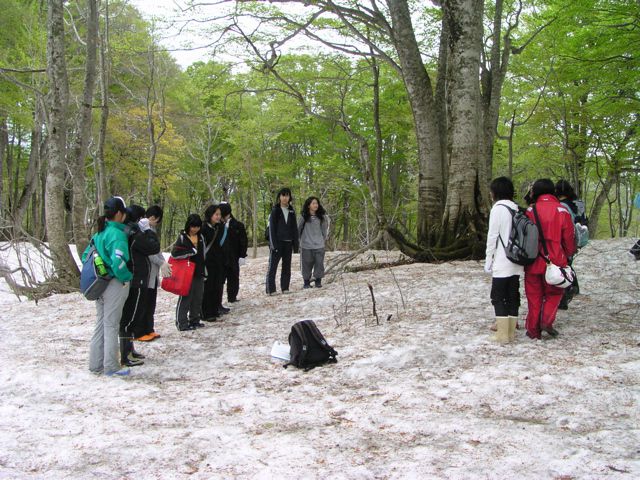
558, 230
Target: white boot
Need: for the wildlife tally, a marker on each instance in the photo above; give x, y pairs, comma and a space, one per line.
513, 321
502, 335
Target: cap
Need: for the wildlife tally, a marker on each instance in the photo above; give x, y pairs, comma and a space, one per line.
115, 205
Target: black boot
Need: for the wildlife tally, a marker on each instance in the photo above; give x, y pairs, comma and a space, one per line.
307, 284
318, 282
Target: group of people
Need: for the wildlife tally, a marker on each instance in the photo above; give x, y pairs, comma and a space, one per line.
554, 208
127, 242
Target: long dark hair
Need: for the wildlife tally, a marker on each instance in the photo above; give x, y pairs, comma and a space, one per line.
193, 220
305, 209
564, 188
111, 207
211, 209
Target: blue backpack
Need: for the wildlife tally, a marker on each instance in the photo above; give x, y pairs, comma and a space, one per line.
94, 277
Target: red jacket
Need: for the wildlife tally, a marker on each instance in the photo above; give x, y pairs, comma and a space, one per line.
558, 230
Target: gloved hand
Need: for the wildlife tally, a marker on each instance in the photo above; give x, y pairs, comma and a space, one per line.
165, 270
242, 261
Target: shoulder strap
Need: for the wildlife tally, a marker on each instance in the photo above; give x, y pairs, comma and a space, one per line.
540, 234
513, 214
297, 328
319, 337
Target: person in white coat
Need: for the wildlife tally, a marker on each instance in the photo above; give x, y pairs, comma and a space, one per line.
505, 284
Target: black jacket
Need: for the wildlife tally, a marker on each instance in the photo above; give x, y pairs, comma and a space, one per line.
237, 240
141, 245
214, 253
281, 231
183, 248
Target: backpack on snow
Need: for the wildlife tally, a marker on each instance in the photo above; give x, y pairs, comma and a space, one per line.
522, 246
94, 278
308, 347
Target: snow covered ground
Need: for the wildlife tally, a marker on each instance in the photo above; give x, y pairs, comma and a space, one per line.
426, 394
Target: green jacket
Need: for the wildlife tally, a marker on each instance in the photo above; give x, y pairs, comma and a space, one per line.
113, 246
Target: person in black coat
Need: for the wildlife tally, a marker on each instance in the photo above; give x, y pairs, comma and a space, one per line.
236, 251
141, 245
283, 241
190, 244
214, 238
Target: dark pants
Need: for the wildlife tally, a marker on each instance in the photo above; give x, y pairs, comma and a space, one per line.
132, 322
232, 274
505, 296
189, 308
284, 252
213, 288
150, 311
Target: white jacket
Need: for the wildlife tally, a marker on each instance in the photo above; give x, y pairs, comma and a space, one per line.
499, 230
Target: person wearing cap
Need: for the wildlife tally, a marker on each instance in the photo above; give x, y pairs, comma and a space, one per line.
141, 245
283, 241
111, 243
236, 251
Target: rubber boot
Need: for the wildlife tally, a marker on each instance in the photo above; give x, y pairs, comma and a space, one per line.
502, 335
124, 349
513, 321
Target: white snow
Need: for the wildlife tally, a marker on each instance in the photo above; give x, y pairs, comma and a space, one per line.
427, 394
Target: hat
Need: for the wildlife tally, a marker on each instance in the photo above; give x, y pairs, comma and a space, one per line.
114, 205
225, 209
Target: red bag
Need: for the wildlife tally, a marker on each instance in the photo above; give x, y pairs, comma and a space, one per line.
182, 270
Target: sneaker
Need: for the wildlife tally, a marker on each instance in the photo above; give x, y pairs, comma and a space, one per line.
271, 294
197, 325
532, 337
210, 319
285, 292
223, 311
155, 335
235, 300
145, 338
307, 284
137, 355
123, 372
132, 362
318, 283
188, 327
553, 333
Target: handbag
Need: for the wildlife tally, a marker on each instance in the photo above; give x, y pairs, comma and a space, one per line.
561, 277
182, 271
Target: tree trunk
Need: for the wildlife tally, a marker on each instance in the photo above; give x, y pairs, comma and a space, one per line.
83, 133
4, 143
31, 176
58, 100
102, 189
420, 94
462, 216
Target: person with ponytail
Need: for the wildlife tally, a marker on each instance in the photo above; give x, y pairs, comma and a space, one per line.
111, 244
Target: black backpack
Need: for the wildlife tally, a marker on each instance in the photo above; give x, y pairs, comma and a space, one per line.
309, 347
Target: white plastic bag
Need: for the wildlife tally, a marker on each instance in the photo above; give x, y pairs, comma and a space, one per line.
562, 277
280, 351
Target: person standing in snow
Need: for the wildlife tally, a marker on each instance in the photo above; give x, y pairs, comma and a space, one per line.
313, 228
236, 251
141, 245
283, 241
158, 265
505, 283
567, 197
190, 244
557, 227
112, 246
213, 232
